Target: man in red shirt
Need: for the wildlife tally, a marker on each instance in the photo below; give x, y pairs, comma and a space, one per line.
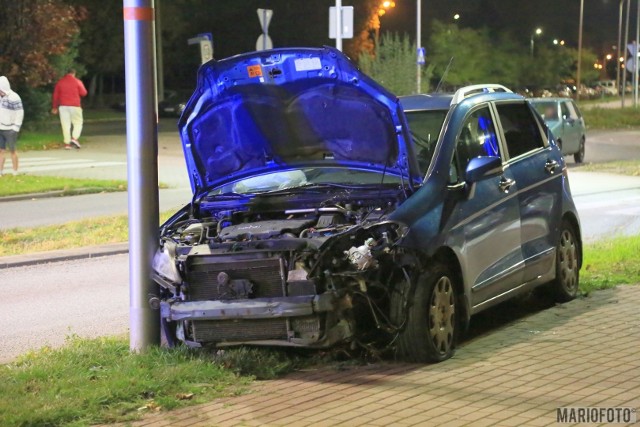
66, 103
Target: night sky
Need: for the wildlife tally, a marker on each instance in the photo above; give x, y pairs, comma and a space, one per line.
304, 22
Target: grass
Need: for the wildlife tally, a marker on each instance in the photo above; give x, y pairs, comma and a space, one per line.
610, 262
47, 135
100, 381
611, 118
27, 184
623, 167
74, 234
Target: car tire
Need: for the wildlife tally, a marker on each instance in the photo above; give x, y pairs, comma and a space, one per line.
578, 156
431, 326
566, 284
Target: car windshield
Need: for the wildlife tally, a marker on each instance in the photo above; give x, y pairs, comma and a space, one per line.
547, 109
425, 128
308, 178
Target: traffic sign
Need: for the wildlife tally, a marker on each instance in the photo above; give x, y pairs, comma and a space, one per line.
264, 42
346, 22
421, 56
264, 15
205, 40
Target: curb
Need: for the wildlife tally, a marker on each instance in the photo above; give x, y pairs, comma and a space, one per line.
56, 193
63, 255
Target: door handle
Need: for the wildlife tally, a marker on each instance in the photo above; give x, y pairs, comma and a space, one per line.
551, 166
505, 184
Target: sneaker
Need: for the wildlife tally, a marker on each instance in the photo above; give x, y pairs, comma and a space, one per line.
67, 146
75, 143
14, 173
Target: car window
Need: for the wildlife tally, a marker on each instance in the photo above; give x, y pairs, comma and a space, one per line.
425, 128
572, 112
547, 109
520, 128
565, 111
477, 138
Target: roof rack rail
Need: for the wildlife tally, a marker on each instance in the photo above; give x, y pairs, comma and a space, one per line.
467, 91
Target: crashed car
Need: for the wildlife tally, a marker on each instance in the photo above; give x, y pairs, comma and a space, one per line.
328, 212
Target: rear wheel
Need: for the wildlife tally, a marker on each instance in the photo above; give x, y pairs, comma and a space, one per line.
431, 329
565, 286
578, 156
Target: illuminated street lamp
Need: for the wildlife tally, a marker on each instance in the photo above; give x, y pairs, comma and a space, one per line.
456, 16
382, 9
536, 33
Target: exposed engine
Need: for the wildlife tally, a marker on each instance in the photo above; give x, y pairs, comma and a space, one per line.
306, 276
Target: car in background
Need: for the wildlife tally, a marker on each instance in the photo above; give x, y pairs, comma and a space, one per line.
564, 119
171, 106
327, 212
173, 103
606, 87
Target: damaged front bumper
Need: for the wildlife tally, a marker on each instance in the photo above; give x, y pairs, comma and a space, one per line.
259, 308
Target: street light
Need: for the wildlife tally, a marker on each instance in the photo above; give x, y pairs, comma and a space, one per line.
382, 9
456, 16
536, 33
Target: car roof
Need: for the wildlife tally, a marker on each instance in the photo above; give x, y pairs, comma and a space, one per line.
441, 101
432, 101
549, 99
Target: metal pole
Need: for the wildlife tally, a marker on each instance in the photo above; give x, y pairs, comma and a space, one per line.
531, 46
618, 53
635, 59
626, 42
158, 49
264, 29
142, 169
339, 24
419, 45
579, 51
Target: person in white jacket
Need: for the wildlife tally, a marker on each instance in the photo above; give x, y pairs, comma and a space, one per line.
11, 115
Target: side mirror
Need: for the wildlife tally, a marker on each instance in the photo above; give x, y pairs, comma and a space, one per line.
483, 167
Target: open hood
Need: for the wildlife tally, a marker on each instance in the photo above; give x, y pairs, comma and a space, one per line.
288, 108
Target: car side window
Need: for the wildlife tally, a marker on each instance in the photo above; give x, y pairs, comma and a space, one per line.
566, 114
520, 128
477, 138
573, 112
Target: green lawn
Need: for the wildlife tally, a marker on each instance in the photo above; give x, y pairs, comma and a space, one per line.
27, 184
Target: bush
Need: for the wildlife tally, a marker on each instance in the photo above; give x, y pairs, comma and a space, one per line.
37, 104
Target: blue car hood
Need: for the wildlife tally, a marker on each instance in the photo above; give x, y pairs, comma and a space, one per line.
287, 108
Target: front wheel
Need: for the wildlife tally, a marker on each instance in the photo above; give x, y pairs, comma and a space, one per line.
431, 329
579, 155
565, 285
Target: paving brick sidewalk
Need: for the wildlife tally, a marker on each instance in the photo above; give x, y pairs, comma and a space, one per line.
584, 353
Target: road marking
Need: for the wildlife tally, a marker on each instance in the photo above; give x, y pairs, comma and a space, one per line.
42, 164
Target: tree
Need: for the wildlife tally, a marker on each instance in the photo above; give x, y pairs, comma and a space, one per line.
32, 33
394, 64
473, 54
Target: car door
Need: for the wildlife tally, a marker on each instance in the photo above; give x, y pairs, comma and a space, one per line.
485, 224
537, 169
572, 128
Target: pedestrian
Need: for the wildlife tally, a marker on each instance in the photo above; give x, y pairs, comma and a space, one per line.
11, 115
66, 103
